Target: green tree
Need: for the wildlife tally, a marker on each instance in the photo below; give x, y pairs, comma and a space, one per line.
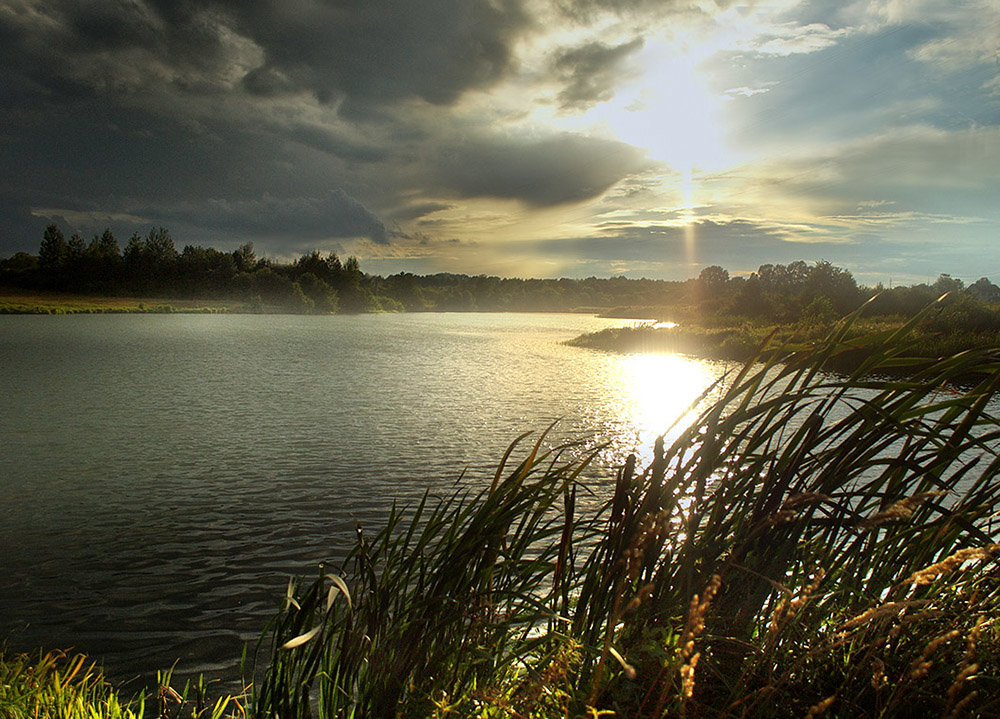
835, 284
353, 295
53, 250
245, 258
297, 301
323, 297
947, 283
713, 278
819, 312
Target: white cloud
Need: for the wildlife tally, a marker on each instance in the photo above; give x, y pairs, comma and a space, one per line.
794, 39
874, 204
749, 91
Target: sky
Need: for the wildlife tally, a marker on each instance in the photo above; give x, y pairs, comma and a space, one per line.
521, 138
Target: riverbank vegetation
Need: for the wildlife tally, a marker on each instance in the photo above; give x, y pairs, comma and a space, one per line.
945, 328
810, 545
150, 266
798, 304
76, 275
55, 303
58, 685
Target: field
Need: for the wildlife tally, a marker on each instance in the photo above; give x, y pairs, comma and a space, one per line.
53, 303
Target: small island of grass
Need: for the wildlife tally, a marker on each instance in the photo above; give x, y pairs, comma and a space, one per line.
736, 319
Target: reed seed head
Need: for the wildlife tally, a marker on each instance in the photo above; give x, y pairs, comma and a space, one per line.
927, 575
900, 511
819, 709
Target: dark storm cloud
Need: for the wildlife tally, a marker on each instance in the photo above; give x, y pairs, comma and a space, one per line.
377, 52
268, 82
325, 139
591, 72
360, 52
145, 108
332, 215
93, 163
73, 49
552, 171
584, 10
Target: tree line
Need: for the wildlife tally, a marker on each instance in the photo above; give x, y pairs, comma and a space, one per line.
152, 266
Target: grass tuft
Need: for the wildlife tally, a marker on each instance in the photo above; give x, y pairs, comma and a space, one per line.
62, 686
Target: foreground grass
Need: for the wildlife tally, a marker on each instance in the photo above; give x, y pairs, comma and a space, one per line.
810, 545
61, 686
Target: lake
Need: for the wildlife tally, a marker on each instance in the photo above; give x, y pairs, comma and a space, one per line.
161, 476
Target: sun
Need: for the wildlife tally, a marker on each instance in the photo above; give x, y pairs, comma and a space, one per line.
669, 111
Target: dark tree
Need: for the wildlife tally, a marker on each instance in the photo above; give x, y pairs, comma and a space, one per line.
53, 251
160, 247
245, 258
947, 283
984, 291
75, 248
713, 278
105, 247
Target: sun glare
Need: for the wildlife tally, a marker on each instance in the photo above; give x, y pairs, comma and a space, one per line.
671, 113
659, 390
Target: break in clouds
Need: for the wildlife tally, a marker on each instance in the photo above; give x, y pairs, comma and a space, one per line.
398, 130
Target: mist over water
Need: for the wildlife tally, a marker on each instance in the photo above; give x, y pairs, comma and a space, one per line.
161, 476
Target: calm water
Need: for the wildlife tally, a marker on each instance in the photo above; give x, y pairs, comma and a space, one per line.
161, 476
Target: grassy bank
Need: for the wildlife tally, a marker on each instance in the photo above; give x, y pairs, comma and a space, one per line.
808, 546
742, 342
50, 303
62, 686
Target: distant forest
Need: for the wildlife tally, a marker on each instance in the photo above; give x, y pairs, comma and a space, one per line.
151, 266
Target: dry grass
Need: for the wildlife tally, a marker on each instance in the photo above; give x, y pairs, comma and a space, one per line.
23, 302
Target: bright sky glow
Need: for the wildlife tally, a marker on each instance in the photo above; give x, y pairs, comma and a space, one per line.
525, 137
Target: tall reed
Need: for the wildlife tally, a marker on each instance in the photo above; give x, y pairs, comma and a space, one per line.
811, 544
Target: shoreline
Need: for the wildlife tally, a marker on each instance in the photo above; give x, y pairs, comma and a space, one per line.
758, 342
13, 302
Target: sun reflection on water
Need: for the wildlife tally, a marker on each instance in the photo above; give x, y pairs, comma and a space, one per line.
658, 391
